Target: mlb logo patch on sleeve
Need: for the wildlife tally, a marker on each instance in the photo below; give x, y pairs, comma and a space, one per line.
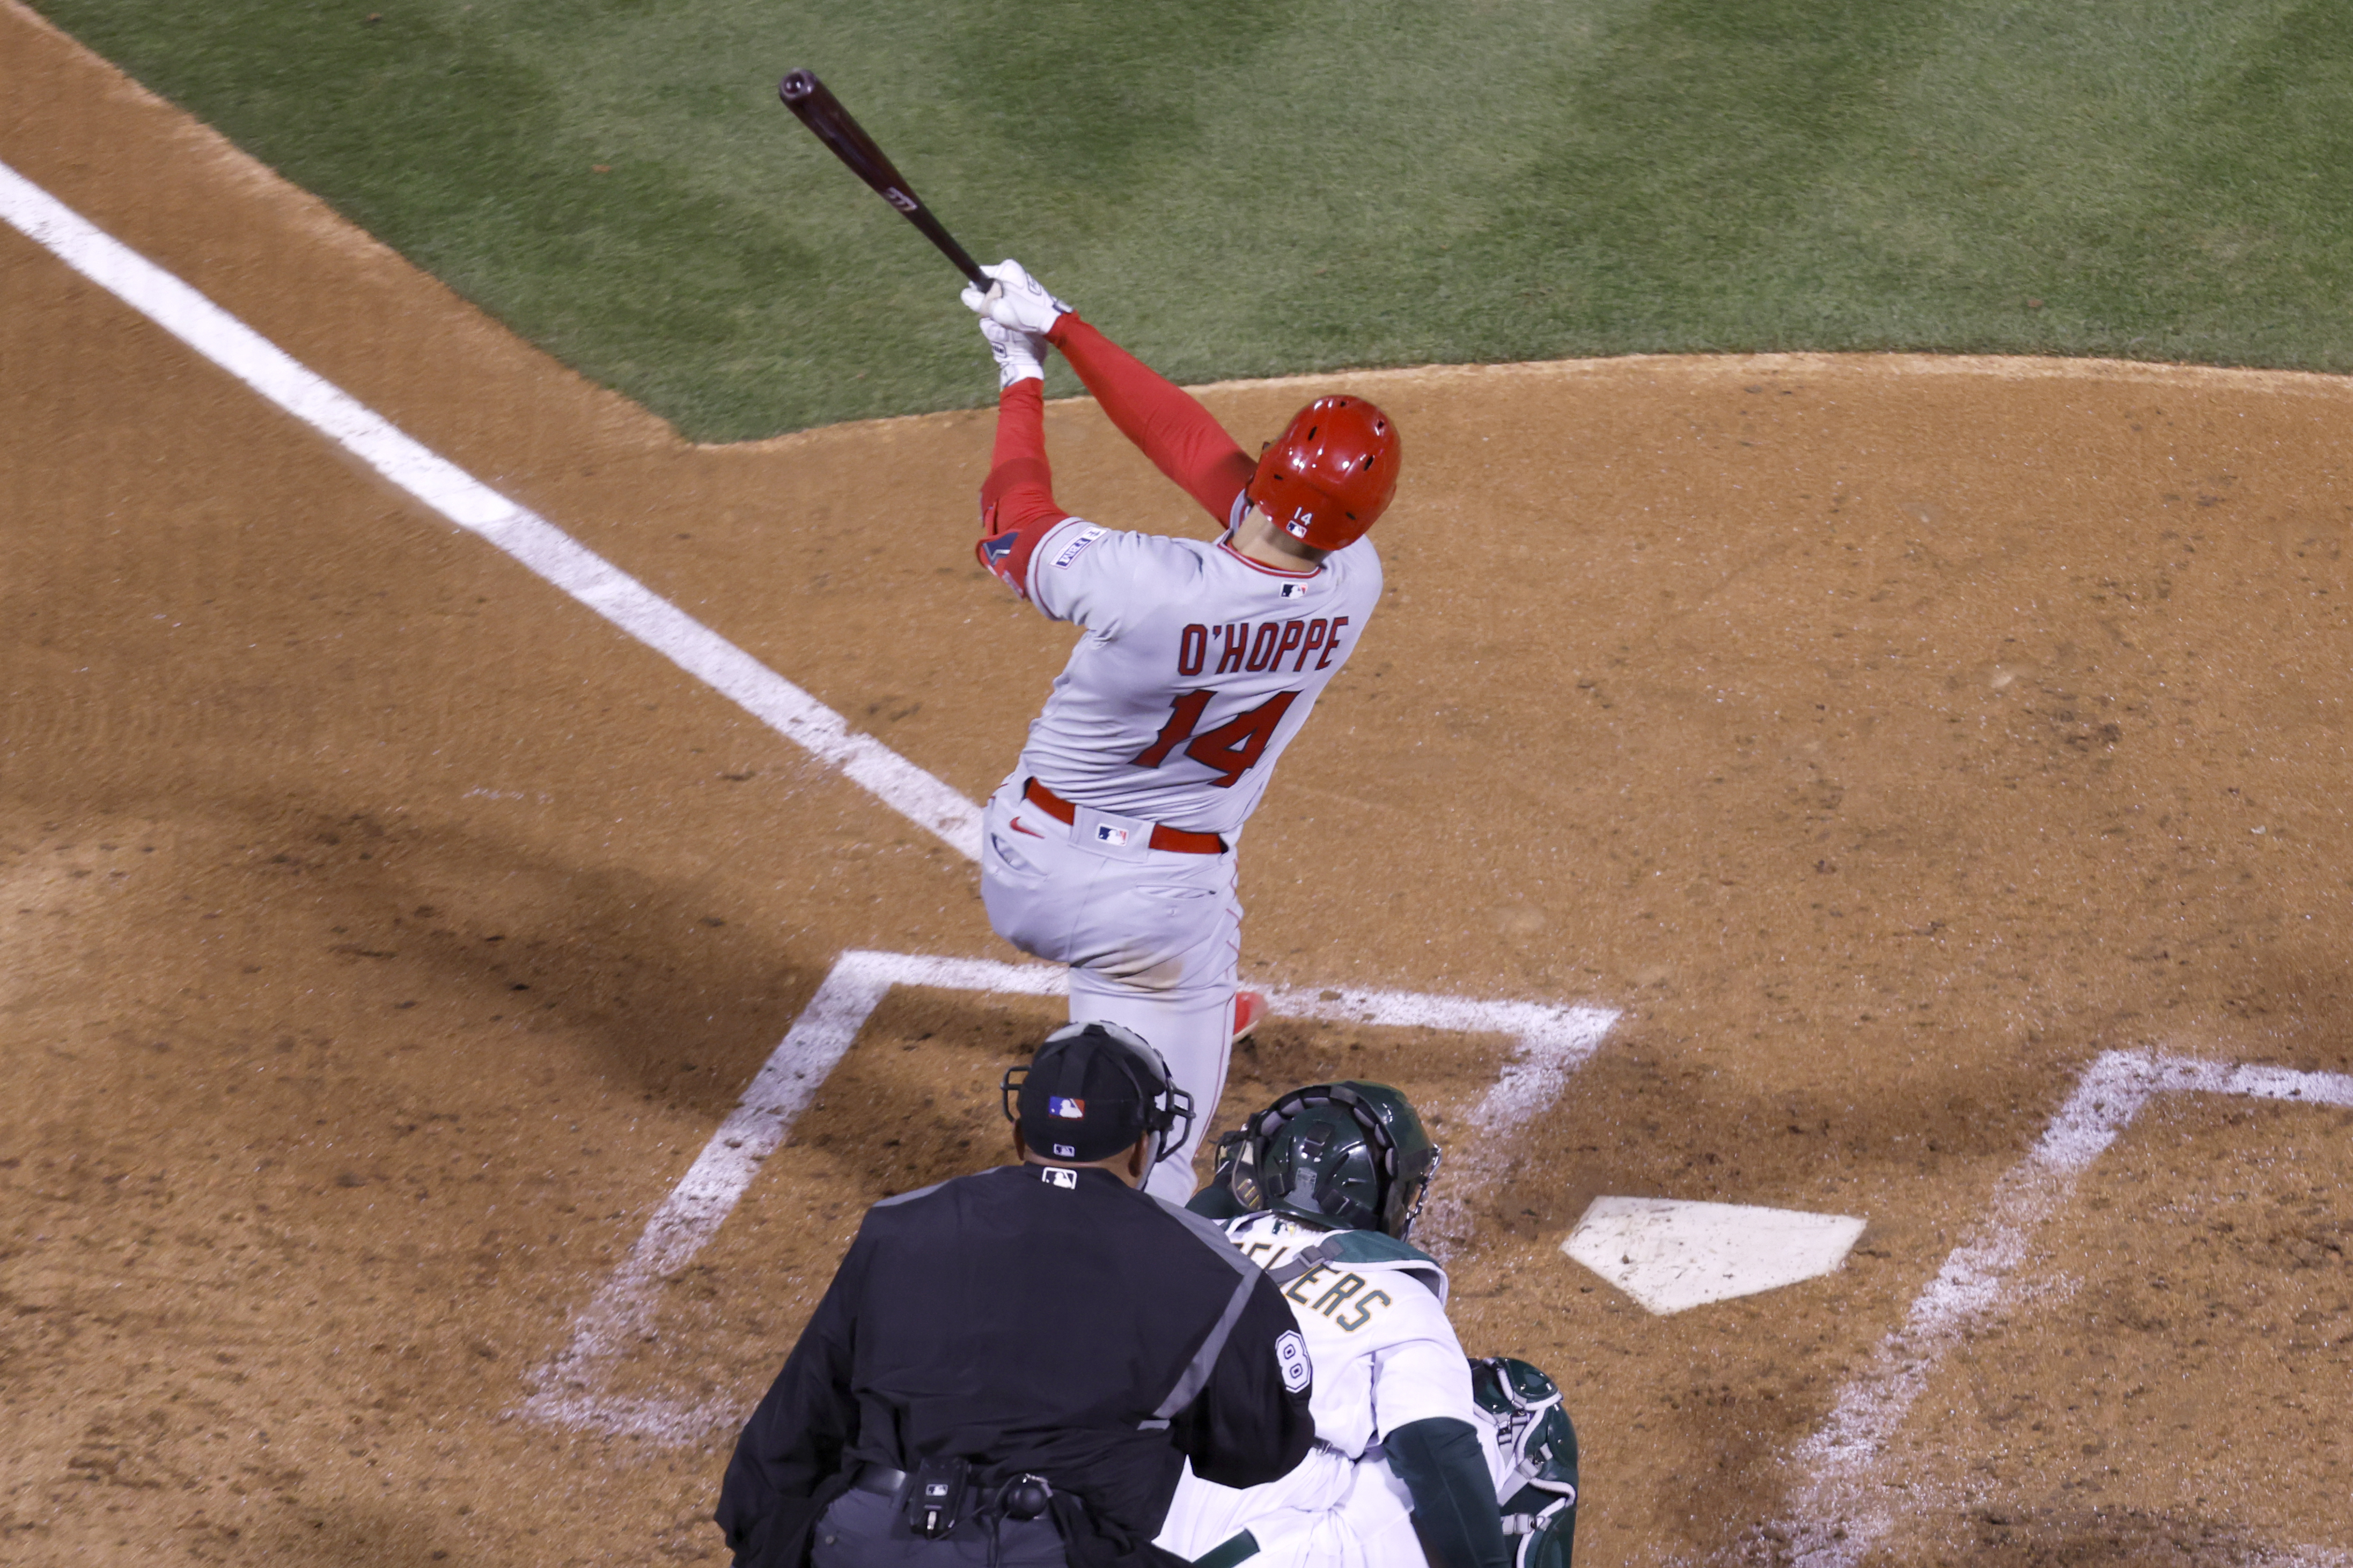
1067, 1110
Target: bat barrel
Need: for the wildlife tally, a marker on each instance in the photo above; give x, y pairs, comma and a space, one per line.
816, 107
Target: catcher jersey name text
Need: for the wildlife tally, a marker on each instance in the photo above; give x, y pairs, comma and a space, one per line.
1346, 1292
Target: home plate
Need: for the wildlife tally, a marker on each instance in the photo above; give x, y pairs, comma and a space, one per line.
1669, 1254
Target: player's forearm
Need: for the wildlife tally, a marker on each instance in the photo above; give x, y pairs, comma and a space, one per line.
1441, 1463
1017, 500
1183, 439
1018, 461
1019, 490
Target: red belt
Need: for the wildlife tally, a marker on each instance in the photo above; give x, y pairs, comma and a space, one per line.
1174, 838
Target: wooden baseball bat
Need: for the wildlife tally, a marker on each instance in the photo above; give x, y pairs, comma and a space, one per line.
822, 112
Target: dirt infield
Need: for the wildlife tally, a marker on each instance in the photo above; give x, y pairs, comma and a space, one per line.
1886, 738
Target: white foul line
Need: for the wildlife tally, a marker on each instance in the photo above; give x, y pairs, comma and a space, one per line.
532, 540
1553, 1042
1838, 1512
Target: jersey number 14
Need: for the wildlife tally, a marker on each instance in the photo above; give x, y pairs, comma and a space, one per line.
1232, 749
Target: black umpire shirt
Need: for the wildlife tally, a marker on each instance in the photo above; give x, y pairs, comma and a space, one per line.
1034, 1319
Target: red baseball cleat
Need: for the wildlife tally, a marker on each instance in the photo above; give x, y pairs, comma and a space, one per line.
1250, 1012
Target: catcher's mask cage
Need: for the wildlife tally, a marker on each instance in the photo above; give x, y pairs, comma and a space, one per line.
1167, 1109
1353, 1154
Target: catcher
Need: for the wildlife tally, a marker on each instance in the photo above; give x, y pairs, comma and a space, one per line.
1420, 1457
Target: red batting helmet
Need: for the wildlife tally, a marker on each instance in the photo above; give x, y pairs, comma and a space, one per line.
1330, 475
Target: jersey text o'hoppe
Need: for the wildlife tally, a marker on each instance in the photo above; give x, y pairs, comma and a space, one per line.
1242, 649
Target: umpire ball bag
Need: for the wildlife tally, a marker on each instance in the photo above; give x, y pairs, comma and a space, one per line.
1536, 1456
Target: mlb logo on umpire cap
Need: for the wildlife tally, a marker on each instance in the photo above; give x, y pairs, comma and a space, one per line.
1093, 1090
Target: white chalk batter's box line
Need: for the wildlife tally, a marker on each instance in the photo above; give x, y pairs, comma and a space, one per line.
1847, 1501
1551, 1043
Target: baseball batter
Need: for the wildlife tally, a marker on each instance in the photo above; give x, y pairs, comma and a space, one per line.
1110, 847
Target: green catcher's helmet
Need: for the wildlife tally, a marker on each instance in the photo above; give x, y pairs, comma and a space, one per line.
1353, 1156
1536, 1450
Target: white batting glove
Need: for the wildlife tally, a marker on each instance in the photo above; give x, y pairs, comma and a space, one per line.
1020, 355
1017, 300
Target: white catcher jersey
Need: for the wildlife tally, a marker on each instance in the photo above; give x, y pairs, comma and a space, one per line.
1384, 1355
1375, 1326
1198, 666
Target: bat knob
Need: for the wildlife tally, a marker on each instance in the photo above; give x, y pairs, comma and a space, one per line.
798, 87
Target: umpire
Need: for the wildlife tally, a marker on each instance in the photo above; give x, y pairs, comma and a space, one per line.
1009, 1369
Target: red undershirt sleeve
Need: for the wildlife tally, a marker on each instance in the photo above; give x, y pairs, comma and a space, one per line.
1016, 501
1164, 421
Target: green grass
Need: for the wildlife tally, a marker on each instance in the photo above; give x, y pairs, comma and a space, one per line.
1240, 187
